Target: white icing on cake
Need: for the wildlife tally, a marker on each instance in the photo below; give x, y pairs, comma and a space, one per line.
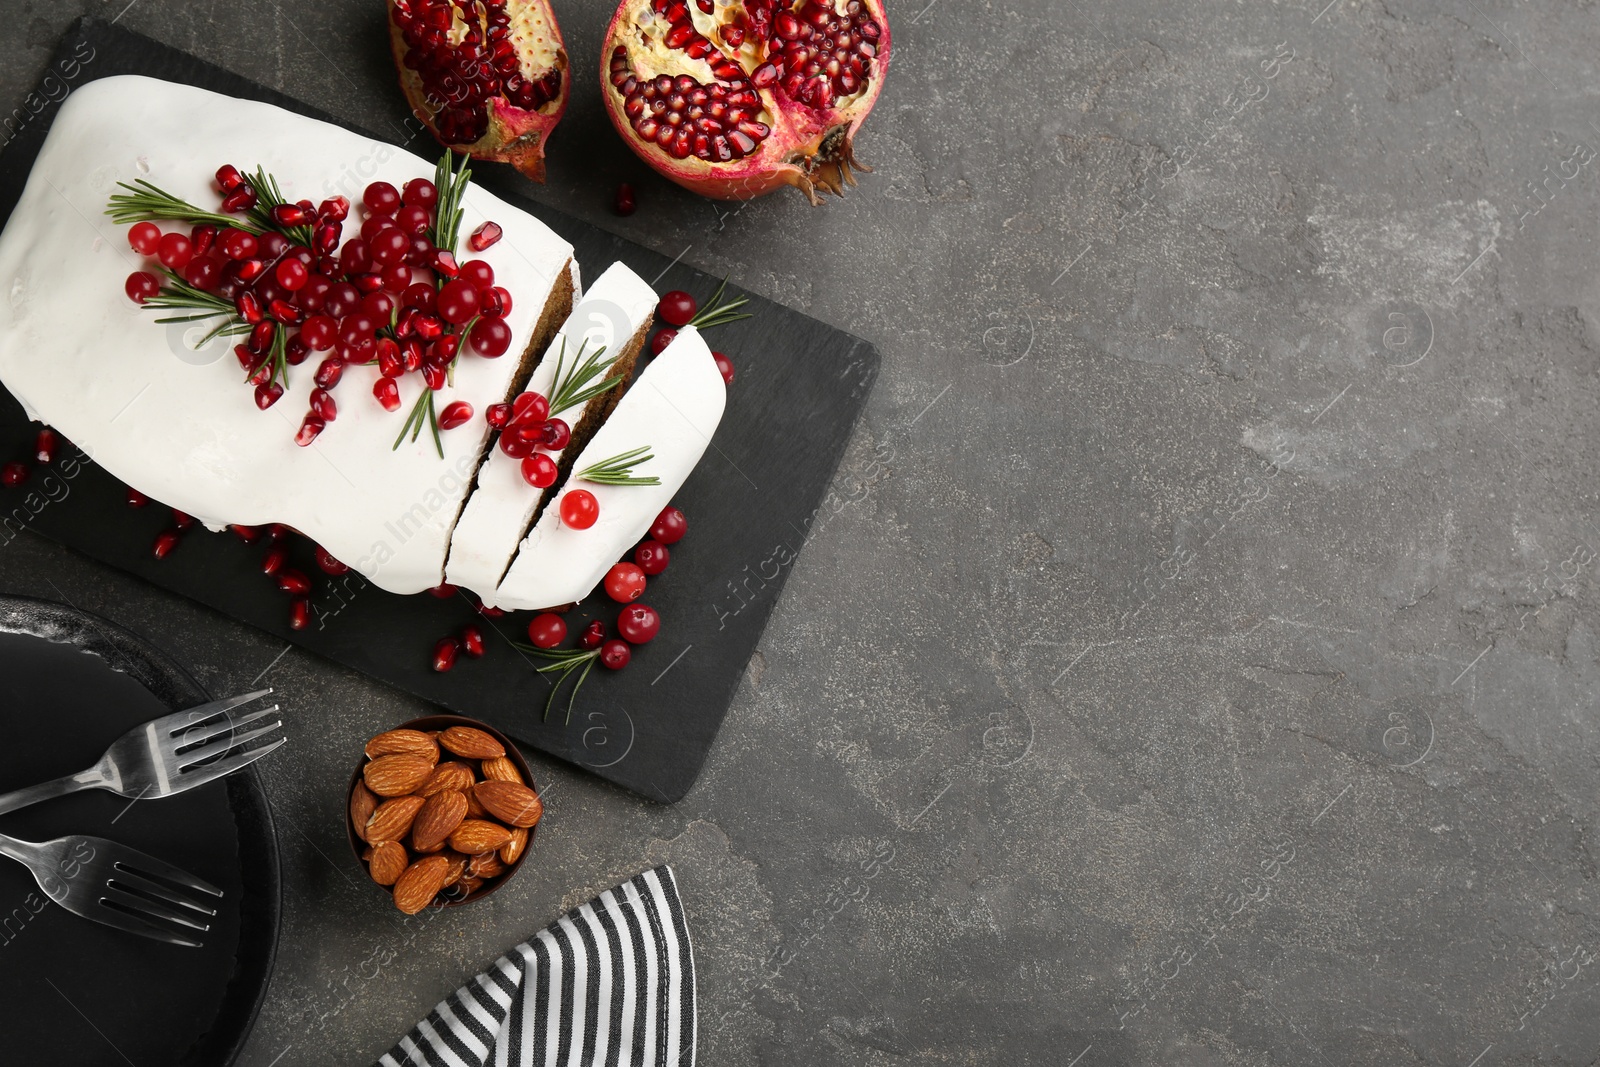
501, 507
156, 414
674, 408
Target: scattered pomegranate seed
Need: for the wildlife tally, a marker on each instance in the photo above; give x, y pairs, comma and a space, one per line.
677, 308
136, 499
166, 541
484, 236
498, 415
547, 630
444, 654
291, 215
387, 393
182, 520
670, 526
638, 624
13, 474
328, 564
472, 641
455, 414
539, 470
323, 405
594, 635
334, 209
625, 582
247, 534
293, 581
615, 654
443, 591
141, 286
652, 556
299, 614
724, 366
435, 375
579, 509
276, 532
444, 263
274, 560
44, 446
145, 238
310, 427
490, 613
268, 395
241, 199
229, 178
202, 237
623, 203
661, 340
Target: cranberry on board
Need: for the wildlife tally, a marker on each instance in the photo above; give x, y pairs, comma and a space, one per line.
724, 367
615, 654
670, 526
652, 556
579, 509
141, 286
677, 308
539, 470
638, 624
547, 630
625, 582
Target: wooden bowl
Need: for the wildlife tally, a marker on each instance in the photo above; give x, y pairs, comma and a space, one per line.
444, 722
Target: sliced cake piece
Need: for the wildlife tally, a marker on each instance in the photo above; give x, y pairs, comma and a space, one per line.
611, 322
672, 410
180, 425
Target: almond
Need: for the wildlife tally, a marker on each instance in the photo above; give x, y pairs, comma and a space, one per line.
486, 865
388, 862
395, 776
512, 850
458, 867
500, 769
440, 814
392, 819
469, 884
420, 883
471, 742
448, 775
510, 802
397, 742
479, 835
362, 805
475, 809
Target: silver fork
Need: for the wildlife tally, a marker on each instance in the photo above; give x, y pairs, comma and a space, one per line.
118, 886
167, 755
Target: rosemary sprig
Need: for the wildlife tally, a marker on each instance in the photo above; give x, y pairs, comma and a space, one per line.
179, 295
452, 186
147, 202
618, 470
278, 356
576, 384
422, 414
269, 196
716, 313
566, 660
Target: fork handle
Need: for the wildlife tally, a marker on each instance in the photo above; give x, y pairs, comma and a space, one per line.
33, 794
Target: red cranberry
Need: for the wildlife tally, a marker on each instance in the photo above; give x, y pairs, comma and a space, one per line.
396, 278
445, 651
472, 641
615, 654
182, 520
237, 244
677, 308
529, 409
652, 556
547, 630
319, 333
247, 534
442, 591
516, 443
478, 273
503, 299
381, 198
457, 413
555, 434
625, 582
174, 251
579, 509
670, 526
379, 305
413, 221
420, 192
273, 244
343, 298
419, 295
458, 301
141, 286
623, 203
594, 635
328, 564
145, 238
166, 541
292, 275
204, 274
388, 246
724, 366
13, 474
663, 338
539, 470
638, 624
491, 338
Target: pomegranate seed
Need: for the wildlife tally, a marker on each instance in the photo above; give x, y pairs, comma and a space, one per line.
472, 641
328, 564
261, 336
274, 560
136, 499
241, 199
661, 340
249, 308
444, 264
323, 405
291, 215
623, 203
615, 654
594, 635
285, 312
247, 534
310, 427
387, 393
276, 532
539, 471
652, 556
579, 509
484, 236
141, 286
443, 591
677, 308
229, 178
490, 613
166, 541
334, 209
14, 474
732, 36
262, 375
455, 414
547, 630
429, 328
725, 366
202, 237
182, 520
144, 238
435, 375
268, 394
44, 446
248, 270
444, 654
299, 613
329, 372
293, 582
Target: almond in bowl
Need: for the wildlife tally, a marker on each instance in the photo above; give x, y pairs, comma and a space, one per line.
442, 811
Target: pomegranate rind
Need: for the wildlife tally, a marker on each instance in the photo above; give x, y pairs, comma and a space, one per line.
515, 135
810, 149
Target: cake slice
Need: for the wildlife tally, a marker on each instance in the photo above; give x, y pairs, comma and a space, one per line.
611, 321
178, 424
672, 409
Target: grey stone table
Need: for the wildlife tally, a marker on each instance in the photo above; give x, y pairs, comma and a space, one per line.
1201, 664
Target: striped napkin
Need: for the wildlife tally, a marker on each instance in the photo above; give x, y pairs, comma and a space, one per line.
609, 984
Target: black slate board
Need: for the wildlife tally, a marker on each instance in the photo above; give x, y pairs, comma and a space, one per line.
801, 386
70, 684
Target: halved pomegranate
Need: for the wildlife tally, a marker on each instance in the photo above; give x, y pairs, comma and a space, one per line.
489, 77
733, 98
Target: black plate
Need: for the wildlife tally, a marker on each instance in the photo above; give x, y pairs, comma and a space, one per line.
74, 991
800, 388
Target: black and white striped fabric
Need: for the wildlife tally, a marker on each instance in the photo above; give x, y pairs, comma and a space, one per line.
609, 984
